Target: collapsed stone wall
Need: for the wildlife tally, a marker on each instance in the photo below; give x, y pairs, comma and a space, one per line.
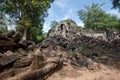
76, 38
93, 44
23, 60
71, 30
67, 43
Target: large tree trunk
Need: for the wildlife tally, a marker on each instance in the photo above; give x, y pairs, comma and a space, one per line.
23, 40
24, 37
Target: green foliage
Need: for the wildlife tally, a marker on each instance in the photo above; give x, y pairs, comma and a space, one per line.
41, 37
116, 4
68, 21
85, 46
3, 29
94, 17
28, 14
3, 23
53, 24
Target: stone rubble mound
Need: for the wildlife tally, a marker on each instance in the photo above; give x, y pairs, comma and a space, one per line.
65, 44
98, 45
24, 60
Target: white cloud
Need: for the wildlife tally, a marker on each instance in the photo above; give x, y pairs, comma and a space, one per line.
61, 3
46, 27
69, 14
114, 12
81, 24
72, 15
52, 16
12, 27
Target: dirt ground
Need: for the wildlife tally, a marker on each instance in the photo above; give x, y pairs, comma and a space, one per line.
70, 73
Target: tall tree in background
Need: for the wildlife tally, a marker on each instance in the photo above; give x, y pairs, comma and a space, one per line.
53, 24
28, 14
94, 17
116, 4
3, 23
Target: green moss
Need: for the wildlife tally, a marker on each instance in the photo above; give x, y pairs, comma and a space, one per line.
68, 21
85, 46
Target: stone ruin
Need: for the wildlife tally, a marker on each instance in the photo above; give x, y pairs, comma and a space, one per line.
24, 60
70, 36
66, 43
68, 28
94, 44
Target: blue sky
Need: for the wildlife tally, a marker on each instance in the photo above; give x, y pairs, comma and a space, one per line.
67, 9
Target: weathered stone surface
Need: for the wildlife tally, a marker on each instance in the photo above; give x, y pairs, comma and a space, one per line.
8, 53
41, 73
1, 54
8, 34
7, 59
7, 74
23, 62
37, 62
12, 40
66, 44
90, 43
21, 52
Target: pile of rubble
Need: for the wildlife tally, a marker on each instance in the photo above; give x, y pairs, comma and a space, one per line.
70, 34
23, 65
94, 44
66, 44
19, 60
13, 40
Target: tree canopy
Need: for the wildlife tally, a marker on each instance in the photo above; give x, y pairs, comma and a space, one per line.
28, 14
116, 4
3, 23
53, 24
96, 18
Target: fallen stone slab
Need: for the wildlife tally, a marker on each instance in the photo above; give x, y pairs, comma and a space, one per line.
7, 74
41, 73
7, 59
23, 62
